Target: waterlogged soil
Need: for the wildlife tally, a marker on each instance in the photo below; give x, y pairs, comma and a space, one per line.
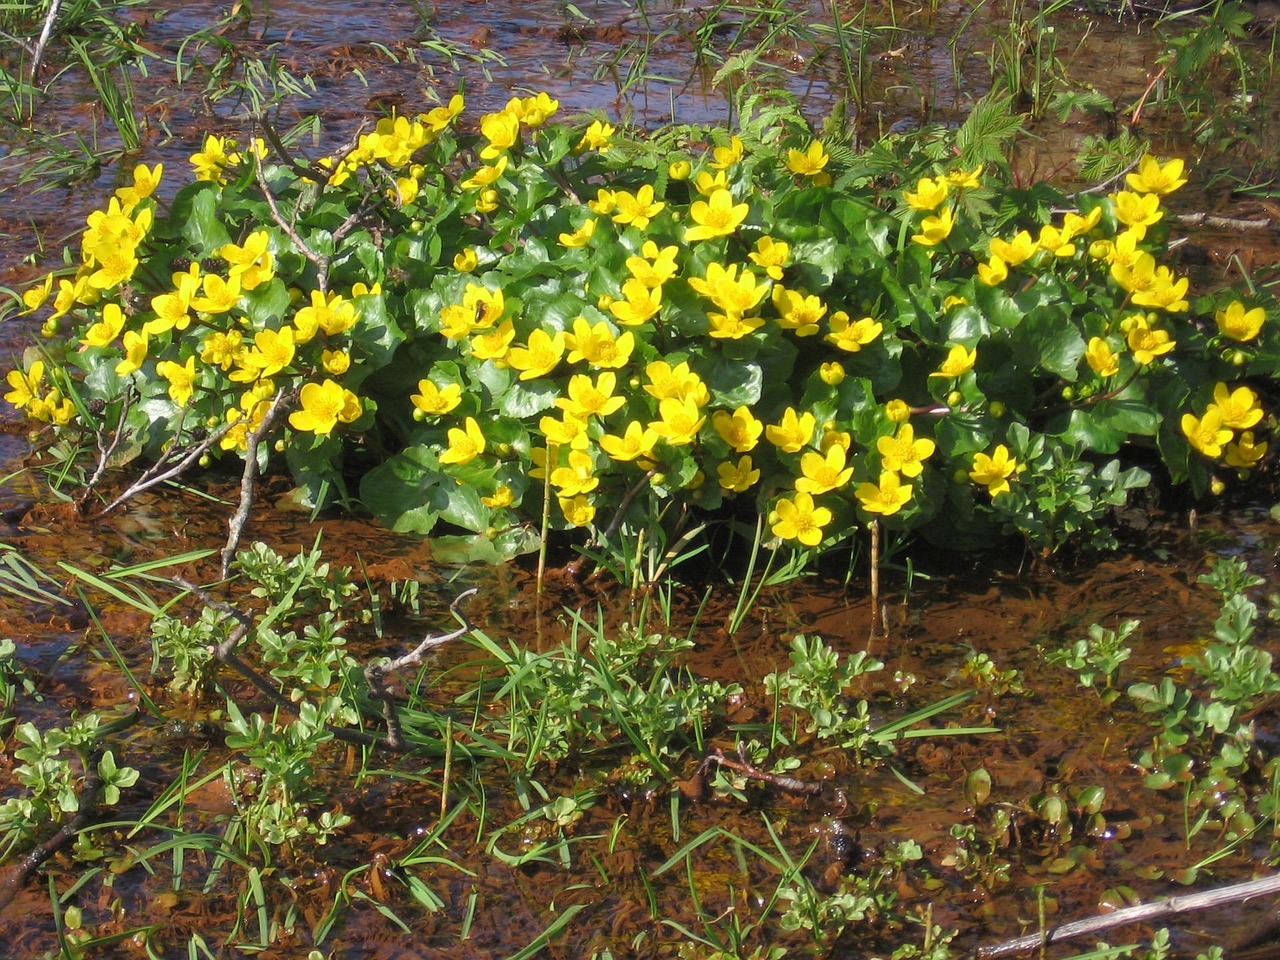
1050, 734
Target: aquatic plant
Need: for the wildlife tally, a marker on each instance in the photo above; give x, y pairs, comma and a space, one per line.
545, 327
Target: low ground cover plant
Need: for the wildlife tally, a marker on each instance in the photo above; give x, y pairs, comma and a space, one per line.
535, 326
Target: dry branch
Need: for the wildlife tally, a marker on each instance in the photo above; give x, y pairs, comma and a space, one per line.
1139, 914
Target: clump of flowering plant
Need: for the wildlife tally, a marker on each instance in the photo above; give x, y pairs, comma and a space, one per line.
542, 326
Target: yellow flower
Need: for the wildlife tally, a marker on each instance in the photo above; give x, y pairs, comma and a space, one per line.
540, 356
832, 373
173, 309
597, 136
725, 157
590, 399
135, 352
598, 346
433, 400
1164, 291
273, 351
581, 236
604, 203
105, 331
333, 314
219, 295
181, 377
656, 271
1077, 225
740, 429
145, 181
1146, 342
501, 129
994, 272
679, 169
799, 519
740, 477
636, 209
567, 431
494, 345
25, 386
1101, 358
1207, 434
1238, 323
771, 254
897, 411
487, 201
221, 349
731, 326
212, 160
1245, 453
680, 421
577, 510
466, 260
966, 179
534, 111
1013, 252
810, 162
1137, 211
798, 311
733, 294
34, 297
252, 263
708, 183
465, 444
928, 195
822, 474
678, 382
885, 498
934, 229
486, 176
852, 337
335, 362
1239, 407
717, 217
635, 443
577, 477
324, 406
993, 471
903, 453
792, 432
503, 497
1154, 177
1056, 241
959, 362
642, 303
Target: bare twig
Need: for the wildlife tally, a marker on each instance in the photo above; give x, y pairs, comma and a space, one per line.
1142, 912
1222, 223
105, 450
749, 770
321, 262
166, 468
46, 32
308, 168
375, 673
235, 526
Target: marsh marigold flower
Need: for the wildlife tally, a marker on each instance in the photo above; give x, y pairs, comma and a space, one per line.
929, 194
1236, 322
324, 406
740, 429
1207, 434
741, 476
822, 473
959, 361
1239, 407
1101, 358
465, 443
540, 356
432, 400
935, 229
886, 497
852, 337
793, 431
181, 377
636, 442
800, 519
636, 209
809, 162
1155, 177
1246, 452
903, 453
994, 470
597, 136
717, 217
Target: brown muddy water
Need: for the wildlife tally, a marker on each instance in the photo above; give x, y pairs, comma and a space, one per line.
1052, 737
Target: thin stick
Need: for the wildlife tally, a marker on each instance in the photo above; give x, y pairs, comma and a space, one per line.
1142, 912
875, 575
321, 262
45, 34
159, 472
235, 526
